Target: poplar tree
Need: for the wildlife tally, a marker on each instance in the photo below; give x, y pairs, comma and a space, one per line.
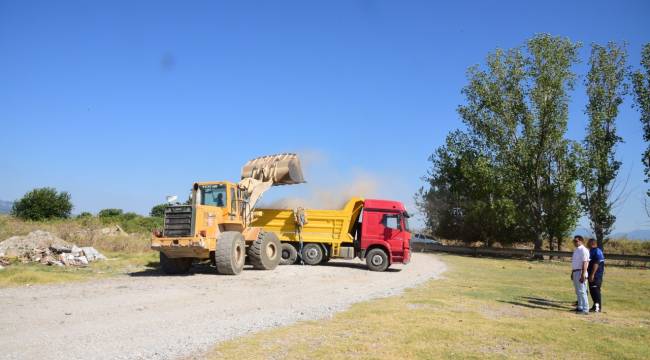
599, 167
641, 81
519, 106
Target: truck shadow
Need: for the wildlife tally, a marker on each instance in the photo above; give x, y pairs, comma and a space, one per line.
152, 269
354, 266
540, 303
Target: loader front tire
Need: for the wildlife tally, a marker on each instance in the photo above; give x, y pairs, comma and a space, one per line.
174, 266
289, 254
265, 253
312, 254
231, 253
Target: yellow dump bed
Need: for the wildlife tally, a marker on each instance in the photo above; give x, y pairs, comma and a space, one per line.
323, 226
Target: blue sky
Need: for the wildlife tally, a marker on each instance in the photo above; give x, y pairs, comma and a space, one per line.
121, 103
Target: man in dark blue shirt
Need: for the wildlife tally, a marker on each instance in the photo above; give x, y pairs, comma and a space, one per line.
596, 272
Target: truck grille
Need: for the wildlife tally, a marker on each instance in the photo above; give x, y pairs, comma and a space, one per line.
178, 221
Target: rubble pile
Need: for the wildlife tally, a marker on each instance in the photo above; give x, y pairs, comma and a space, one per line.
43, 247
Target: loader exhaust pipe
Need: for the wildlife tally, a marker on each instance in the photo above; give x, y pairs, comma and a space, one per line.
280, 169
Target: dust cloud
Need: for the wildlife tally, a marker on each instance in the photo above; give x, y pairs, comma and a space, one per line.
329, 196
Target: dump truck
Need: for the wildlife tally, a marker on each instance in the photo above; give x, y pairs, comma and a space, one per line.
373, 230
215, 223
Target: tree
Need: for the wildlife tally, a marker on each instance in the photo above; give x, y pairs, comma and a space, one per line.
467, 198
518, 106
641, 81
43, 204
110, 213
599, 167
158, 211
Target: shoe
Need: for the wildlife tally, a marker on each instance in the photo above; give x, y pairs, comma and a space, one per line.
595, 308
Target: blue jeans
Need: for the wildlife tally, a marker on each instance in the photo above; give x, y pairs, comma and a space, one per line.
581, 291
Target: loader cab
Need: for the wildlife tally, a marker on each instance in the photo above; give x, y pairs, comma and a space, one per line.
224, 195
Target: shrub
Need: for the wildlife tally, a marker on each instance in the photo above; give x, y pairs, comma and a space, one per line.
43, 204
84, 215
109, 213
158, 211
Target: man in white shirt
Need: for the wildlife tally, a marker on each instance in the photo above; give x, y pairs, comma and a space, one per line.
579, 265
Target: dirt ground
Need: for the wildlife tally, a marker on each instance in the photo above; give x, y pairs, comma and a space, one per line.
146, 315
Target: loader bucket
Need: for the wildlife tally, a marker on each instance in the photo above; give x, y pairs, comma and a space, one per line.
281, 169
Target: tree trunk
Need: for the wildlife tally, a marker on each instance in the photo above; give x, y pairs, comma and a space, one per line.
600, 236
551, 242
539, 240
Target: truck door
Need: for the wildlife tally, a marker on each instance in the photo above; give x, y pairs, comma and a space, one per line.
394, 233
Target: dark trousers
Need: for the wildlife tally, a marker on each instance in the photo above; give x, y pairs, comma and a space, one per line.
594, 290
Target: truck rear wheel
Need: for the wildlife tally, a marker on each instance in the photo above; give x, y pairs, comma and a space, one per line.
312, 254
289, 254
231, 253
265, 252
174, 266
377, 260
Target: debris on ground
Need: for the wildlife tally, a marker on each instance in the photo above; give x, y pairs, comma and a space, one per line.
45, 248
113, 230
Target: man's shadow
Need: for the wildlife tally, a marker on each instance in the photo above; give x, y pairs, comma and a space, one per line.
539, 303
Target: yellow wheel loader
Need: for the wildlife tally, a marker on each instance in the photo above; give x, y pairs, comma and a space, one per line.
215, 224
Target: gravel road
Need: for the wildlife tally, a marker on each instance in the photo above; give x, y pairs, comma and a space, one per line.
160, 317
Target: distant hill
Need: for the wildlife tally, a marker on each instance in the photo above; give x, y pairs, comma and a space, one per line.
5, 206
634, 235
639, 234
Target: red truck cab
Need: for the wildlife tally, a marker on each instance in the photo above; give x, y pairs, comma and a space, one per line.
384, 234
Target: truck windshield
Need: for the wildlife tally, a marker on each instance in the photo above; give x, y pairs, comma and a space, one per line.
406, 221
213, 195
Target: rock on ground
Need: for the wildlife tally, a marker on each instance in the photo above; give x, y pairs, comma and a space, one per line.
20, 246
149, 316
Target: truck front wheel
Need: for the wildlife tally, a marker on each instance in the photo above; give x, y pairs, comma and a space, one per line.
377, 260
312, 254
174, 266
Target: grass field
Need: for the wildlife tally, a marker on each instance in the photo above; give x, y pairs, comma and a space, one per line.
483, 308
19, 274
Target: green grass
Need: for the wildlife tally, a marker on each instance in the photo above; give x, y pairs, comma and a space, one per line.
483, 308
18, 274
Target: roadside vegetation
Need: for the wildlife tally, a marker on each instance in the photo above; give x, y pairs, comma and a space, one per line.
124, 238
482, 308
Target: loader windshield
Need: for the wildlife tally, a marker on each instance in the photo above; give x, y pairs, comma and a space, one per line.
213, 195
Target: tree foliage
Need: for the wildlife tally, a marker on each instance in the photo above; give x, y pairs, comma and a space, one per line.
599, 167
158, 211
43, 204
511, 174
109, 213
641, 82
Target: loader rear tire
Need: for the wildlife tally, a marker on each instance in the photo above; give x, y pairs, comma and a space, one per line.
265, 252
231, 253
174, 266
312, 254
289, 254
